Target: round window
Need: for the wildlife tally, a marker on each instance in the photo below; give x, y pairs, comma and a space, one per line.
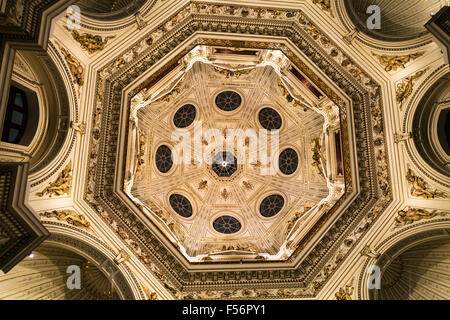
228, 100
227, 225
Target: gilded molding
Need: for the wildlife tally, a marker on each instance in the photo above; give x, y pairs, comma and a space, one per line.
75, 67
392, 63
324, 4
231, 74
317, 156
149, 294
89, 42
405, 88
202, 185
346, 292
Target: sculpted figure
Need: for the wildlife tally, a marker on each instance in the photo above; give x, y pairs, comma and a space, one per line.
412, 215
61, 185
76, 69
419, 188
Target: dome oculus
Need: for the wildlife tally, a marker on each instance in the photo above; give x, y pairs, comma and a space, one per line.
224, 164
269, 119
288, 161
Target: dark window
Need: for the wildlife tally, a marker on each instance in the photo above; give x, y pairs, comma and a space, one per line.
269, 119
164, 159
228, 100
184, 116
337, 139
16, 116
271, 205
306, 82
181, 205
288, 161
227, 225
444, 130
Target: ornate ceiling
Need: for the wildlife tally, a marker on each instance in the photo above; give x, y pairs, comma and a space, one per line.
188, 194
371, 193
227, 150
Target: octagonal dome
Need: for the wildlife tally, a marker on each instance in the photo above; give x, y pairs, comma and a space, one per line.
239, 148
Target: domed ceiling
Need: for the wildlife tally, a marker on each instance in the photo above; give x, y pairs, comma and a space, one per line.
207, 219
400, 20
231, 150
223, 161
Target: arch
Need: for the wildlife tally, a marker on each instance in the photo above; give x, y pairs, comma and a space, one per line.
429, 129
47, 136
388, 253
99, 254
108, 10
421, 122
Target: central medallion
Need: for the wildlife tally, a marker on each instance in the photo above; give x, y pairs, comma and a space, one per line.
224, 164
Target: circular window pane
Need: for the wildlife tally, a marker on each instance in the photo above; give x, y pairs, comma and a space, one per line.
288, 161
269, 119
224, 164
271, 205
227, 225
228, 100
184, 116
164, 159
181, 205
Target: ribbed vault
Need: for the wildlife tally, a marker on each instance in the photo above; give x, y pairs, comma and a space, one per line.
420, 273
44, 277
400, 20
109, 9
